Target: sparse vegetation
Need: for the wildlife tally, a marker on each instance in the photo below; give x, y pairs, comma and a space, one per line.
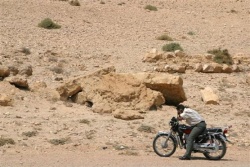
191, 33
233, 11
61, 141
164, 37
47, 23
4, 141
30, 133
25, 50
129, 153
102, 2
74, 3
146, 128
121, 3
172, 47
150, 7
84, 121
58, 70
90, 134
221, 56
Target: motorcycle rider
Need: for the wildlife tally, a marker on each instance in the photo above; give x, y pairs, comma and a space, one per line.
194, 119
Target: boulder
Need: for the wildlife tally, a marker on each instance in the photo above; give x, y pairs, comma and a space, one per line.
207, 68
105, 92
4, 71
18, 81
227, 69
198, 67
209, 97
169, 85
5, 100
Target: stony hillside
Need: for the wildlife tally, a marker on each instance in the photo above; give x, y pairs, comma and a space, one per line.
35, 62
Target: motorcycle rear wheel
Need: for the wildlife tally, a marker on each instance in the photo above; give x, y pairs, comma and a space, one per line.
217, 155
162, 147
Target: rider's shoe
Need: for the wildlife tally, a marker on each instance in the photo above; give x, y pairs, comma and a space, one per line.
184, 158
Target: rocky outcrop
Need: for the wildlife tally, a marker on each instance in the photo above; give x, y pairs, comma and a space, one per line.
209, 97
105, 91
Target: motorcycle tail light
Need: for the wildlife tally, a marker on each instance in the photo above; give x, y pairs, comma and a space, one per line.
226, 129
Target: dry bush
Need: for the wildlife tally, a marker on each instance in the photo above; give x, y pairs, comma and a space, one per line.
84, 121
47, 23
221, 56
150, 7
172, 47
90, 134
146, 128
61, 141
164, 37
74, 3
4, 141
30, 133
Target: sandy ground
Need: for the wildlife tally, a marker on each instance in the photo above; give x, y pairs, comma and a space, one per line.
95, 35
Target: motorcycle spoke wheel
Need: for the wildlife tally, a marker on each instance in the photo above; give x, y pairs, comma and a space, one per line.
219, 152
164, 147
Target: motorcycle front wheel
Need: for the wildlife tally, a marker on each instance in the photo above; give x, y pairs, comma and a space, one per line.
164, 146
219, 152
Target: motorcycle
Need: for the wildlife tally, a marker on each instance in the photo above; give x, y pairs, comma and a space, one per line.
211, 143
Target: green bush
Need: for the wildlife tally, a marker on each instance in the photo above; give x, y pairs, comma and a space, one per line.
150, 7
172, 47
164, 37
221, 56
48, 24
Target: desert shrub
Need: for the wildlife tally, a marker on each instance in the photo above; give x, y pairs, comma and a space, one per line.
102, 2
4, 141
146, 128
90, 134
129, 153
74, 3
61, 141
121, 3
172, 47
29, 133
25, 50
84, 121
47, 23
150, 7
221, 56
191, 33
164, 37
56, 69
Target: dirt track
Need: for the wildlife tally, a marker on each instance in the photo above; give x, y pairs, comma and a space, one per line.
108, 158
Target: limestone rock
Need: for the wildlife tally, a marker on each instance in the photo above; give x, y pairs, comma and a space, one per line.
106, 92
18, 81
198, 68
209, 97
227, 69
4, 71
5, 100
